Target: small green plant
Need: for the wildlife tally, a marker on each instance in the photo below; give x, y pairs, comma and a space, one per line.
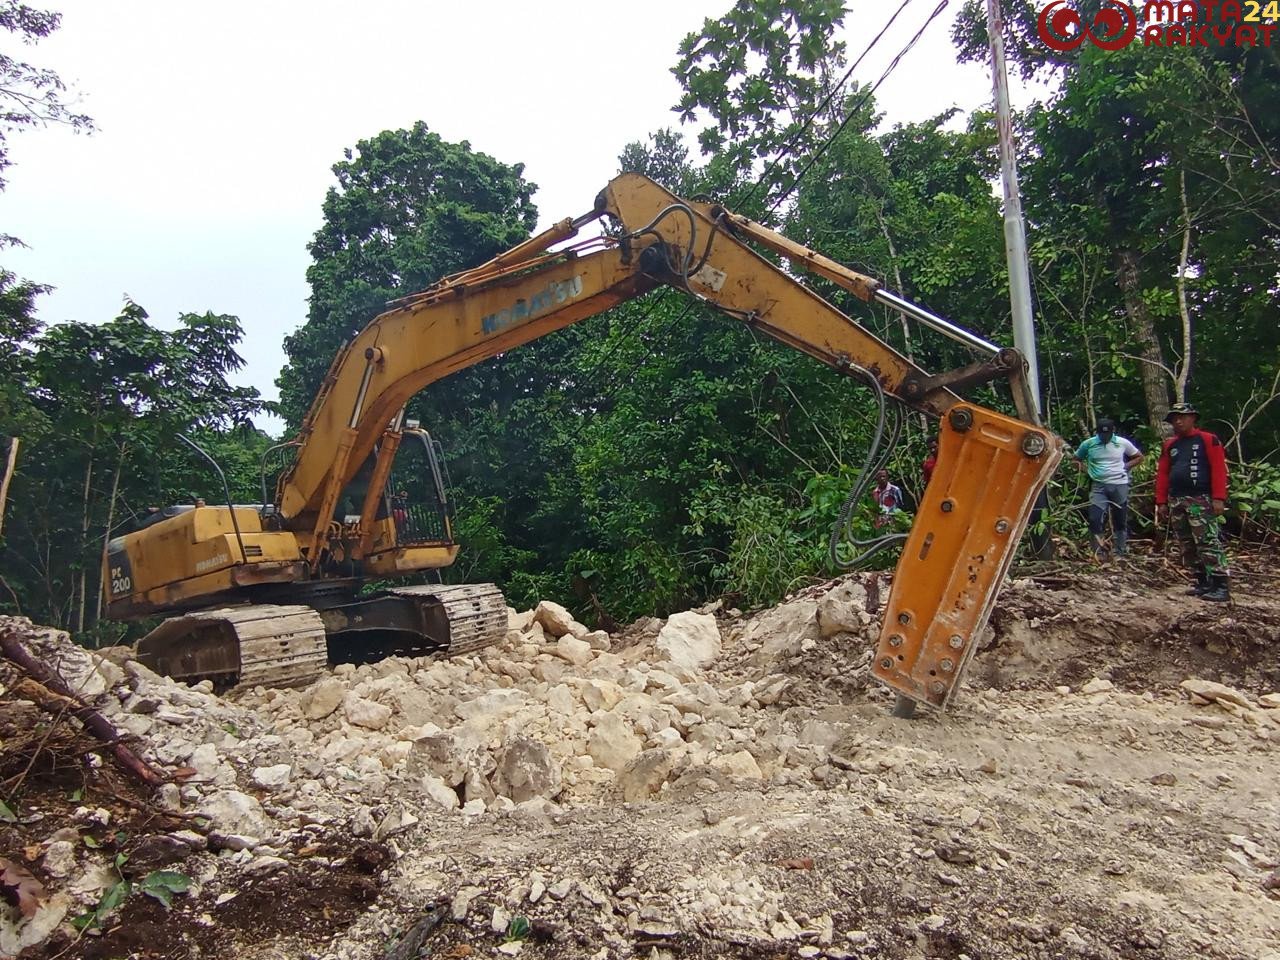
115, 895
6, 813
518, 929
163, 884
1255, 492
160, 885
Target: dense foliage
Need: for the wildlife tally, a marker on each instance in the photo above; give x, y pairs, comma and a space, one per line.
99, 421
408, 209
661, 454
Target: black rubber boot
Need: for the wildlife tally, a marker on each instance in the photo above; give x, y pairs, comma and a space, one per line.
1202, 585
1218, 592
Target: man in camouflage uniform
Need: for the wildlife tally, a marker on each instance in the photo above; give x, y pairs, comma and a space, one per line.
1191, 491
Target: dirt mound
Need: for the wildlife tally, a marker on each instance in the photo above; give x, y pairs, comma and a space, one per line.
1134, 627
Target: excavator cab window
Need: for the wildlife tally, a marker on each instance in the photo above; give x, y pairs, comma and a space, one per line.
418, 491
353, 495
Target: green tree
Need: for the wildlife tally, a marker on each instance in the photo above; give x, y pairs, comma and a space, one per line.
408, 209
110, 400
18, 325
1030, 55
762, 73
31, 95
1151, 161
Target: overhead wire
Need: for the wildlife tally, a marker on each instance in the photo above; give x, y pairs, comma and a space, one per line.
853, 111
821, 107
889, 410
787, 149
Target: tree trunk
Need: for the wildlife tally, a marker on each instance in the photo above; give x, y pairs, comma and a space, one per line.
86, 506
11, 462
111, 516
84, 537
1184, 368
1152, 368
897, 279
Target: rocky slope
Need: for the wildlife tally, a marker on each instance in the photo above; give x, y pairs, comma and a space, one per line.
709, 785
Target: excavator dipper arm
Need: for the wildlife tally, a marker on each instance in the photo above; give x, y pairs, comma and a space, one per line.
990, 467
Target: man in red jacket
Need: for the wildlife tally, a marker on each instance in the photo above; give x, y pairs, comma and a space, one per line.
1191, 490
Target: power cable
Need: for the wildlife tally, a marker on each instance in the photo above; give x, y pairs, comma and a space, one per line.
853, 111
826, 102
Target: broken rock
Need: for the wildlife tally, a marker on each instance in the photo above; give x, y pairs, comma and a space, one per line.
555, 619
644, 775
526, 770
1217, 692
441, 793
779, 633
741, 765
612, 743
235, 812
599, 640
365, 713
690, 640
573, 650
60, 858
415, 706
273, 777
448, 756
844, 609
324, 698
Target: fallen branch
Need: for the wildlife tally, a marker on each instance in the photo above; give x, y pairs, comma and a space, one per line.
46, 689
410, 944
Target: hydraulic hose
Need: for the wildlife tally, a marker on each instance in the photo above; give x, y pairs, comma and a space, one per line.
887, 415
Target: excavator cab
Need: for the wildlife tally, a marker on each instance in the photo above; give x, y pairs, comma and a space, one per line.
418, 490
412, 507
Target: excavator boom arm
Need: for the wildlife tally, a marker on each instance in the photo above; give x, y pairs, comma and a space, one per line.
991, 466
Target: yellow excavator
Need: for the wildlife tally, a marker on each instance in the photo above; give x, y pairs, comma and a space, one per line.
269, 593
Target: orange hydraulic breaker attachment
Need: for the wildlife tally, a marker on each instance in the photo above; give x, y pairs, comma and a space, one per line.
990, 470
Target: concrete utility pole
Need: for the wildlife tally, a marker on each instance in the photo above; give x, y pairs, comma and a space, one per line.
1015, 237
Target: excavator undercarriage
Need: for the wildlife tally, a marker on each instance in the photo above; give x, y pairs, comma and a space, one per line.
290, 645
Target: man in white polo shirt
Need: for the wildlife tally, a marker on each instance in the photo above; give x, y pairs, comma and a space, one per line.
1108, 458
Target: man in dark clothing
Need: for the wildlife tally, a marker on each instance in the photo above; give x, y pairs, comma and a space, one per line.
1191, 491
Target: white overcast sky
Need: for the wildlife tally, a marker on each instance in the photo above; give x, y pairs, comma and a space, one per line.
218, 125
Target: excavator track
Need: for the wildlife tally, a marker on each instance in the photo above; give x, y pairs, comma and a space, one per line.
275, 645
269, 645
476, 613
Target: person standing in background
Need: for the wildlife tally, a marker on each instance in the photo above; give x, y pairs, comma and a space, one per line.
1191, 492
1108, 459
930, 462
888, 497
